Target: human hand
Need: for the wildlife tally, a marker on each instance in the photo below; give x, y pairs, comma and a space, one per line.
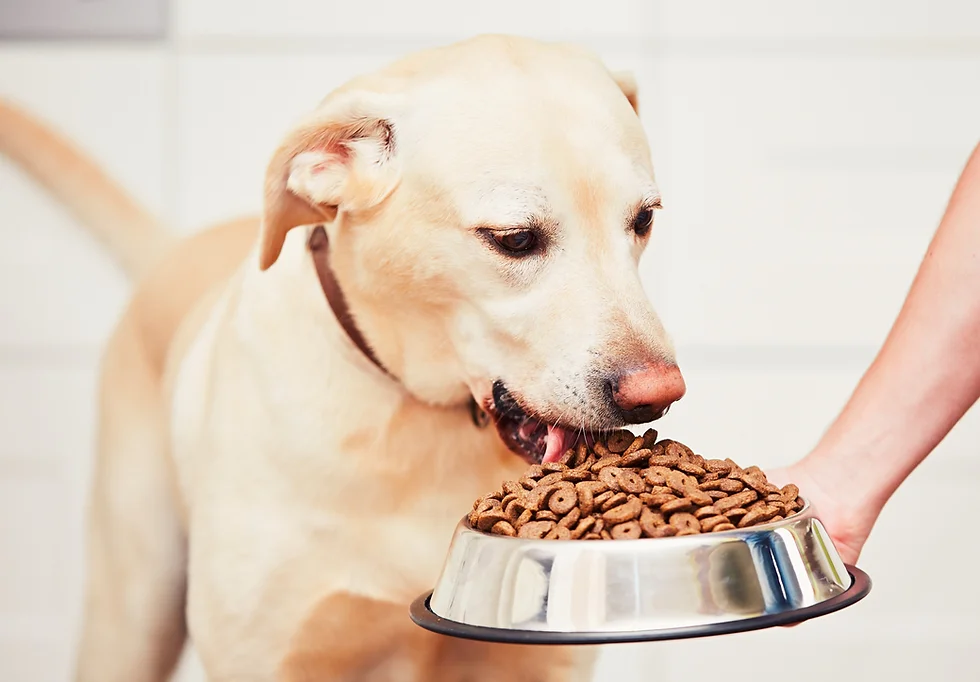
848, 521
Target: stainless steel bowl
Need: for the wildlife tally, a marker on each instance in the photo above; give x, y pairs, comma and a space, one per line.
564, 591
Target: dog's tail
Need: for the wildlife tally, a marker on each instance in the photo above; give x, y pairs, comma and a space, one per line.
131, 234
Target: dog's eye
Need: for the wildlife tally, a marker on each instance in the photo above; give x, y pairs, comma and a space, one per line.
517, 241
643, 222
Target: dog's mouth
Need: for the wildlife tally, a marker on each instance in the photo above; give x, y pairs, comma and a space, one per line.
534, 440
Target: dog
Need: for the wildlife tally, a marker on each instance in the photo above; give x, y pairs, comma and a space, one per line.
294, 407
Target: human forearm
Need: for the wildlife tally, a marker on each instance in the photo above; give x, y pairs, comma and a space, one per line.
926, 375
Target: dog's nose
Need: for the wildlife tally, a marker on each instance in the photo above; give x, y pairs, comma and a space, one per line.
645, 394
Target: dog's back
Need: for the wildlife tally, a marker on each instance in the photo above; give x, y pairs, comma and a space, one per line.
135, 495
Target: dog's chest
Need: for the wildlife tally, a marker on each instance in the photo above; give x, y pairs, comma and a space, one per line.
355, 508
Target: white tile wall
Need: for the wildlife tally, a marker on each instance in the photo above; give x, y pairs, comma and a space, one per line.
805, 153
392, 19
827, 21
824, 173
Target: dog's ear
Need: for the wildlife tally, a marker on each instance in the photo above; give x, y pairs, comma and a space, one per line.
341, 158
627, 83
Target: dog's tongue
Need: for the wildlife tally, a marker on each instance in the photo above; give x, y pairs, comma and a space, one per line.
556, 444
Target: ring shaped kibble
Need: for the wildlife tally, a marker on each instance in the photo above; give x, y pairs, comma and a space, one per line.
627, 487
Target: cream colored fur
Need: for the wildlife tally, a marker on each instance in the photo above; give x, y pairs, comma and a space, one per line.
255, 470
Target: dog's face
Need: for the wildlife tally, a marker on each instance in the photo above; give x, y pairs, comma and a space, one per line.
488, 204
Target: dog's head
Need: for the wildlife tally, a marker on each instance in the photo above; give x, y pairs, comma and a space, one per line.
487, 205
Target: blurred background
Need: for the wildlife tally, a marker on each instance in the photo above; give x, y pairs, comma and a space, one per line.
805, 153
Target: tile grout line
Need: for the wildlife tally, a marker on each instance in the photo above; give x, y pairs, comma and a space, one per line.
171, 121
666, 46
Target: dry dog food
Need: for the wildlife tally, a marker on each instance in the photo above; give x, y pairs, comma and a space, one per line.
632, 487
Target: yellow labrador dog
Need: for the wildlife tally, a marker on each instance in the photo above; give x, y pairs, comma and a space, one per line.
292, 408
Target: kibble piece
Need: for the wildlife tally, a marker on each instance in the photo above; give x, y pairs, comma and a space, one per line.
626, 531
757, 482
534, 471
760, 515
599, 524
563, 500
601, 499
550, 479
741, 499
705, 512
583, 527
610, 476
536, 529
664, 460
678, 482
699, 497
558, 533
546, 515
661, 499
527, 483
654, 477
614, 501
526, 516
602, 463
618, 441
486, 504
672, 447
487, 519
630, 481
722, 526
571, 518
635, 458
503, 528
624, 512
592, 536
683, 521
650, 521
534, 498
575, 475
596, 487
717, 466
585, 500
689, 467
730, 485
717, 494
735, 514
512, 488
709, 523
637, 444
680, 504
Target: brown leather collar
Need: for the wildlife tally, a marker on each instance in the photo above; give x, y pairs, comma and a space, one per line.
319, 245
